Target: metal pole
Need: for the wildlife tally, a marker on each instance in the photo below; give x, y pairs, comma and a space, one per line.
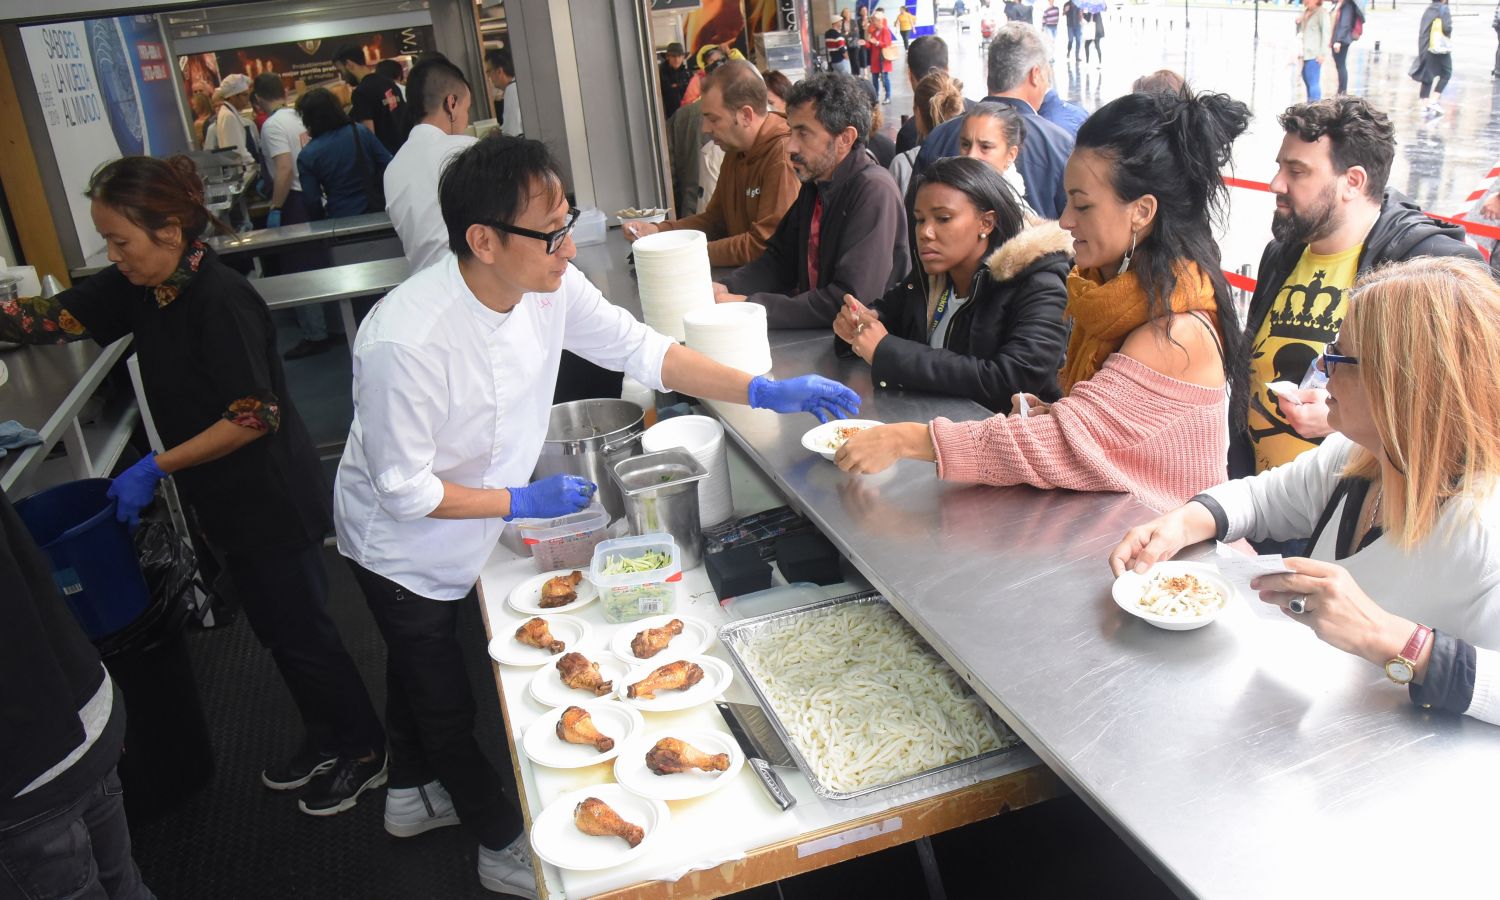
1257, 20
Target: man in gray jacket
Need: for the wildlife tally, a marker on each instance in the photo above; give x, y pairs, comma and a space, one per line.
846, 232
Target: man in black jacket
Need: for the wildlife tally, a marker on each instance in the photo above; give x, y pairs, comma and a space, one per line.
62, 723
1335, 219
846, 232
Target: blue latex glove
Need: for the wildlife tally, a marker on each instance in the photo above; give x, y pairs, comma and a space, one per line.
273, 219
556, 495
823, 397
134, 488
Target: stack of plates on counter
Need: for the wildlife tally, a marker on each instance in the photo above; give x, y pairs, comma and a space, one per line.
703, 437
672, 271
731, 333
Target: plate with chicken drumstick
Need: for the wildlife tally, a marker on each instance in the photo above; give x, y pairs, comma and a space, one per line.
583, 734
678, 764
564, 590
538, 640
597, 827
680, 684
661, 638
575, 678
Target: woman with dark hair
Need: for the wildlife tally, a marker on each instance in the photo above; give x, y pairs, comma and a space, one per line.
981, 314
238, 452
1147, 400
777, 87
994, 133
343, 165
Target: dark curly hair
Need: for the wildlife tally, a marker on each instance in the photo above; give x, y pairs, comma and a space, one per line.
1173, 147
1358, 134
839, 101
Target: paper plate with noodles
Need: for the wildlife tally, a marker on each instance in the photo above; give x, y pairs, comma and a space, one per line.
1176, 596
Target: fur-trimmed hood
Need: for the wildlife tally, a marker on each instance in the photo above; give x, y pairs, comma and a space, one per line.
1041, 237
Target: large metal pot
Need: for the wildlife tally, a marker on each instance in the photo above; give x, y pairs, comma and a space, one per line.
586, 438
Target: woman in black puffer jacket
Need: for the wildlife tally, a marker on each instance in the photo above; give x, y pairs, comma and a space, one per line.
981, 314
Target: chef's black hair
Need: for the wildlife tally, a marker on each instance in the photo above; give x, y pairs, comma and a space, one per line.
495, 180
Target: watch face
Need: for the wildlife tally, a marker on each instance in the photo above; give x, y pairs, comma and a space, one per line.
1399, 671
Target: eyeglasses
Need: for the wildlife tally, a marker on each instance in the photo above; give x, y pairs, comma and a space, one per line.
553, 239
1324, 365
718, 61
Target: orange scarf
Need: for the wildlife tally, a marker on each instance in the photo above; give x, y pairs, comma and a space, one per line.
1104, 313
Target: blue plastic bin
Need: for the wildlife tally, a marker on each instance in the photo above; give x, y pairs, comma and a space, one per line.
94, 561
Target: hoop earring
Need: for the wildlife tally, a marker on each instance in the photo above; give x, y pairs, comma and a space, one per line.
1125, 263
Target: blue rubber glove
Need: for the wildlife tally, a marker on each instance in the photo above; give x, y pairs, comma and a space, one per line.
273, 219
556, 495
823, 397
135, 488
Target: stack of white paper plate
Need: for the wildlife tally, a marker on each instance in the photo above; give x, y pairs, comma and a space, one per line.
733, 334
674, 278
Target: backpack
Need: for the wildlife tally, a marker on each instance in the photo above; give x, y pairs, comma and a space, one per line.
265, 180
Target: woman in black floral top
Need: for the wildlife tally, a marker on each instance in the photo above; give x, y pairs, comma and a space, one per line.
238, 451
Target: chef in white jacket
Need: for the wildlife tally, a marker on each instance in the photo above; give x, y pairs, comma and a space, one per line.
439, 101
453, 378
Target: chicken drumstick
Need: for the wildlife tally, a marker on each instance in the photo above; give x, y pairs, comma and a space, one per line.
578, 673
594, 816
560, 591
577, 727
652, 641
671, 756
674, 676
535, 633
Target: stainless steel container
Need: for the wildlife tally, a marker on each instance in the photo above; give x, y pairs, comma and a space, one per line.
586, 438
661, 495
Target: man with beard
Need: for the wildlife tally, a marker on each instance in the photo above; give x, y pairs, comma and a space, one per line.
1335, 219
757, 183
846, 232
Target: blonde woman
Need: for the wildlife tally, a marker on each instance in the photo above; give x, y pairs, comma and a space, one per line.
937, 98
1401, 505
1316, 30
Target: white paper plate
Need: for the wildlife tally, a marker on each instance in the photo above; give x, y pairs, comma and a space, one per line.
716, 677
526, 597
633, 775
1129, 588
507, 650
555, 836
695, 638
615, 720
548, 689
816, 438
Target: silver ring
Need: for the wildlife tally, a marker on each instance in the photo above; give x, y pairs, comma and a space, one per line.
1298, 604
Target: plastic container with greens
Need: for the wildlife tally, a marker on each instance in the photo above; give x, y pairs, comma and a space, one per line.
637, 576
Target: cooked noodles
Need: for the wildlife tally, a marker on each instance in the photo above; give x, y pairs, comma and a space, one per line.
864, 698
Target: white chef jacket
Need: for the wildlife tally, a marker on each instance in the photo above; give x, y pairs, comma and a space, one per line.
411, 192
447, 389
512, 124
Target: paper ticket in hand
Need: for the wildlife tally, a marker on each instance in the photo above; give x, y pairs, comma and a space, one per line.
1241, 569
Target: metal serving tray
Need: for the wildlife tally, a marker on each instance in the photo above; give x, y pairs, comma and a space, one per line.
737, 634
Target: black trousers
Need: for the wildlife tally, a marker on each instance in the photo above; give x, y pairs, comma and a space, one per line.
285, 597
429, 709
1341, 64
80, 849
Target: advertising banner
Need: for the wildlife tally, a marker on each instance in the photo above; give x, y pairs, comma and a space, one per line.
107, 90
304, 61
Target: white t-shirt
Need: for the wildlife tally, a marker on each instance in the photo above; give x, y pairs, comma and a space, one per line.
282, 133
512, 124
411, 192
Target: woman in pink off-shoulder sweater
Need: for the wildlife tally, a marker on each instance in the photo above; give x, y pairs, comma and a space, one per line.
1156, 358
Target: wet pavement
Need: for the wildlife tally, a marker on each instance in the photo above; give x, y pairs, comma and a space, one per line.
1439, 160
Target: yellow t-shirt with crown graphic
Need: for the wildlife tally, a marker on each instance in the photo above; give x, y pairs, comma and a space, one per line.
1304, 318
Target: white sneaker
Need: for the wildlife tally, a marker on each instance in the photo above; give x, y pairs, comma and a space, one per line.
509, 871
411, 811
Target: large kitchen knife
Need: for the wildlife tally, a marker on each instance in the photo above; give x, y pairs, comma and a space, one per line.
767, 775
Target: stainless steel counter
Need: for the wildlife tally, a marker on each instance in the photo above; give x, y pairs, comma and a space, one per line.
267, 239
1245, 759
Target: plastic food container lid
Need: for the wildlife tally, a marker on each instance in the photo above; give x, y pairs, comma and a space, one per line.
535, 531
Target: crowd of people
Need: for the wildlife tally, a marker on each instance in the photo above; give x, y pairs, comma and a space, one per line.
1056, 266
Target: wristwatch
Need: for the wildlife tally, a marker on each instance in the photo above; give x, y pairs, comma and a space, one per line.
1403, 668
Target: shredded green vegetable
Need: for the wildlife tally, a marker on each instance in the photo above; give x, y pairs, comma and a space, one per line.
627, 565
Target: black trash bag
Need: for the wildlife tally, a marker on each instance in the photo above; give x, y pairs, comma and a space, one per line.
167, 561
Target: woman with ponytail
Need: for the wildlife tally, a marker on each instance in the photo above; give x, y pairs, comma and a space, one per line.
938, 97
239, 454
1154, 372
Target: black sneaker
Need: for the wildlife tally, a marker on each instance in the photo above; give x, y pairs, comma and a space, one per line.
299, 770
307, 348
339, 788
